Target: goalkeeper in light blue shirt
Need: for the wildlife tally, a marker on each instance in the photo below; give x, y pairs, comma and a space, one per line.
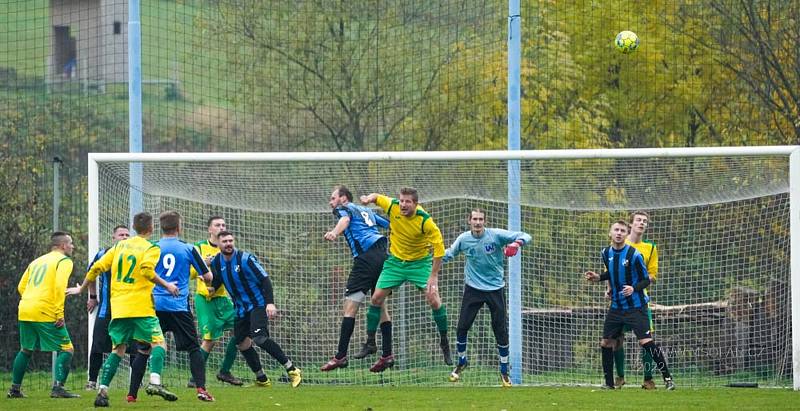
484, 249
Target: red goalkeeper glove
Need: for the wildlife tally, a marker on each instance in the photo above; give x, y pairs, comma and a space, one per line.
513, 248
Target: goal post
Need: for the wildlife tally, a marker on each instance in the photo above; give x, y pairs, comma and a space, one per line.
568, 196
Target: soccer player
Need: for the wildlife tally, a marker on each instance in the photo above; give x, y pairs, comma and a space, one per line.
132, 263
173, 313
101, 343
413, 235
215, 312
626, 272
639, 221
360, 227
41, 315
484, 249
251, 291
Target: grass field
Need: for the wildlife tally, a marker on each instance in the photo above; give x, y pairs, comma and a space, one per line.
309, 397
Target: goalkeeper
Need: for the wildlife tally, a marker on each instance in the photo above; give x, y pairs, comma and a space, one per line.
413, 235
483, 248
627, 274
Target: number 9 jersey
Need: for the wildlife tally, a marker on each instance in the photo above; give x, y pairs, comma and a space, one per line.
362, 232
174, 267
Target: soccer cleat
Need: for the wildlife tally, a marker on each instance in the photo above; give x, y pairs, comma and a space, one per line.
204, 395
61, 392
505, 382
383, 363
161, 391
101, 400
295, 377
265, 383
130, 398
619, 382
191, 383
606, 387
229, 378
15, 393
445, 346
669, 384
90, 386
648, 385
366, 349
334, 363
456, 374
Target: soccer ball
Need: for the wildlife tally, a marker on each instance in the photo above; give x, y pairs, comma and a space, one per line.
626, 41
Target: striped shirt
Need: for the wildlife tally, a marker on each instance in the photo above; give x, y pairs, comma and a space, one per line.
242, 276
625, 267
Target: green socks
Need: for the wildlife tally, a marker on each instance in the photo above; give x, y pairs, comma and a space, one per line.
373, 318
63, 361
619, 361
157, 359
19, 368
110, 368
230, 357
440, 316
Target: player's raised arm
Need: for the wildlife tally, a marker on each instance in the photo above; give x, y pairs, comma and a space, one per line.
368, 199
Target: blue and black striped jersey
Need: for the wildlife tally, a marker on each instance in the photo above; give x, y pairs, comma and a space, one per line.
362, 232
103, 289
625, 267
243, 277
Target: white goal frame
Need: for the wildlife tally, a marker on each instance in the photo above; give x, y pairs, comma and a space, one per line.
792, 152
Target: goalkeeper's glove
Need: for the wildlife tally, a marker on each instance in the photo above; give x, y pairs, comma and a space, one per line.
513, 248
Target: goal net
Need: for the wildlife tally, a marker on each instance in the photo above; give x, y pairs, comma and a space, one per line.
721, 303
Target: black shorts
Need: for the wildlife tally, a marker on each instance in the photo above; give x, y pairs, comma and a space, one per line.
181, 324
635, 318
367, 268
254, 323
101, 342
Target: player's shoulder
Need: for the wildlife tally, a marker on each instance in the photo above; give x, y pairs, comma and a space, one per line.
201, 243
650, 242
420, 212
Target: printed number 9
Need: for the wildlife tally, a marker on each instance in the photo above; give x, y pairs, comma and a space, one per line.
169, 264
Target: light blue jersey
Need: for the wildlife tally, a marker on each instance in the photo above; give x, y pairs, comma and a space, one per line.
173, 267
484, 268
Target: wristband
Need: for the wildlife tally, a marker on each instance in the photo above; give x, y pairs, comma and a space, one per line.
92, 296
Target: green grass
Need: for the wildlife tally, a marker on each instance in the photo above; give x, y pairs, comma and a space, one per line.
395, 398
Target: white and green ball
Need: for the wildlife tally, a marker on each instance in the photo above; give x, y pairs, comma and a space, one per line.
626, 42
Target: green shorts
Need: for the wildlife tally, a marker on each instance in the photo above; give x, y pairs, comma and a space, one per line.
43, 336
144, 329
214, 317
396, 272
649, 320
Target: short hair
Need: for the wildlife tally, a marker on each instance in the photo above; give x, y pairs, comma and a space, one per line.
477, 210
410, 191
170, 221
344, 191
118, 227
212, 218
224, 233
623, 223
143, 222
639, 212
58, 238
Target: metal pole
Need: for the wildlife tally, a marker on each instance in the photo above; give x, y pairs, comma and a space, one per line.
135, 103
56, 207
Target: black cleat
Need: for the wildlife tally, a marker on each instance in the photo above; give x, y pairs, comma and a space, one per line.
669, 384
191, 383
445, 346
15, 393
229, 378
101, 400
61, 392
366, 349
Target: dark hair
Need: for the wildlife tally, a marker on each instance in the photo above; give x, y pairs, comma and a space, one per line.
58, 238
170, 221
477, 210
224, 233
409, 191
212, 218
118, 227
639, 212
143, 222
344, 191
624, 223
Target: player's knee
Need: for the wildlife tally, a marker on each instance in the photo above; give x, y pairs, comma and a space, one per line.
245, 344
260, 339
645, 341
607, 343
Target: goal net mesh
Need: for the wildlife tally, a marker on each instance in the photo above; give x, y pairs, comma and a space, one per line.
720, 303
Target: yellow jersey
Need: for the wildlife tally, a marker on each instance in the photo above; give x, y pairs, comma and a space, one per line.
207, 250
650, 254
132, 263
411, 237
42, 288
